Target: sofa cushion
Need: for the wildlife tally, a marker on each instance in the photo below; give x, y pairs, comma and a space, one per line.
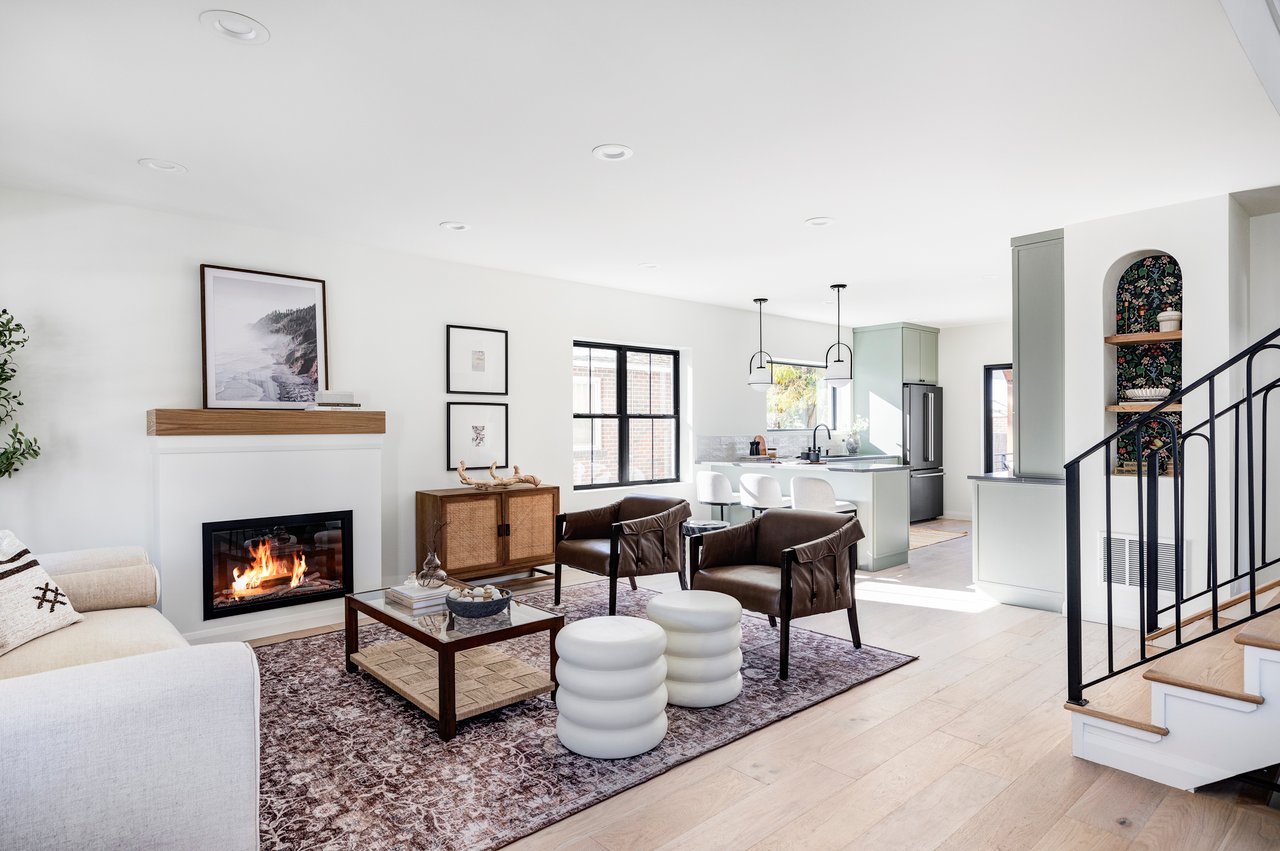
643, 505
97, 558
111, 587
31, 603
591, 554
108, 634
757, 587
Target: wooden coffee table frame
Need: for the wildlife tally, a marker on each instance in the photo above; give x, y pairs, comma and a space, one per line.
445, 651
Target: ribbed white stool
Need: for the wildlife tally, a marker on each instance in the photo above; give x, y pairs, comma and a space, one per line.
611, 693
704, 660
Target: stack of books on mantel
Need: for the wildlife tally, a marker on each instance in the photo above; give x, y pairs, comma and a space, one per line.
415, 598
334, 400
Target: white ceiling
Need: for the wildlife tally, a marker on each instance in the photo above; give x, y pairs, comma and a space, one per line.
931, 131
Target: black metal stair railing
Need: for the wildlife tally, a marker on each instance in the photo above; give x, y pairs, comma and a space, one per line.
1227, 457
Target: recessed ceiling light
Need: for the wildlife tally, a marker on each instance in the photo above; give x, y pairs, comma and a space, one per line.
649, 267
235, 26
163, 166
612, 153
819, 221
455, 226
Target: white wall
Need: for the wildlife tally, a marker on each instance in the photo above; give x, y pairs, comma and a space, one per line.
111, 297
963, 351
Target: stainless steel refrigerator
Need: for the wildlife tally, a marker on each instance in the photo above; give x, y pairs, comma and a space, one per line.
922, 448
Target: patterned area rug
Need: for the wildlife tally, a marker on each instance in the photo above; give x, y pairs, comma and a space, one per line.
349, 764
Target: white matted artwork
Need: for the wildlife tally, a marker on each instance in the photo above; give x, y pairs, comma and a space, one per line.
264, 339
475, 360
477, 434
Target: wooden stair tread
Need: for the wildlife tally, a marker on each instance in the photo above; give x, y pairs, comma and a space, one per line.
1160, 643
1125, 699
1267, 593
1213, 666
1261, 632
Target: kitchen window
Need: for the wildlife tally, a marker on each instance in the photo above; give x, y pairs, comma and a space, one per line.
800, 398
997, 432
626, 415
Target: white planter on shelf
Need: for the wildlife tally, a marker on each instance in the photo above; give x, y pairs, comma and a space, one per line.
1170, 320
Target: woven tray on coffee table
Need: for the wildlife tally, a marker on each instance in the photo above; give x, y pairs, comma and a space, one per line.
485, 678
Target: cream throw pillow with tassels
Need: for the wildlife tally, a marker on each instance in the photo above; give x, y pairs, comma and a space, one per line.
31, 604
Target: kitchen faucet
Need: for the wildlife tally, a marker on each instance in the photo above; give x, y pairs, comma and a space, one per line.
813, 454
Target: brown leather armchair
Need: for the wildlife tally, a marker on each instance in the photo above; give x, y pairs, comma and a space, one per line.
785, 564
636, 536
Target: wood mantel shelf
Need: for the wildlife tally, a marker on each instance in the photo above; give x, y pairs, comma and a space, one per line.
215, 422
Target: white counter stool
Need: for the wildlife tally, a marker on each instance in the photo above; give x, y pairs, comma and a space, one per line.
715, 489
760, 493
611, 691
704, 634
814, 494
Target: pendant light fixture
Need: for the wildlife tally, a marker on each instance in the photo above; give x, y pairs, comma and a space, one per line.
839, 369
760, 367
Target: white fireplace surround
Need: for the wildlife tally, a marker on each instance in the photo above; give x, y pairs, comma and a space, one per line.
207, 479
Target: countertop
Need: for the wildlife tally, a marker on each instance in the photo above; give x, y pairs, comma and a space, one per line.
1010, 478
839, 466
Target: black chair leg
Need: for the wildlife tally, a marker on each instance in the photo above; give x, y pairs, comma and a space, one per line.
557, 597
613, 595
785, 648
633, 582
684, 583
853, 627
773, 622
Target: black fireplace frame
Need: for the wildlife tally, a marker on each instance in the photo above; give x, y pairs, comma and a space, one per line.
209, 529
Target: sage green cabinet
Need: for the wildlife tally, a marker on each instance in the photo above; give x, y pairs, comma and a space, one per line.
1039, 354
885, 357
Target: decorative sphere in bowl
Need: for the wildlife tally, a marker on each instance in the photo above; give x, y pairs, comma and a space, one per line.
477, 606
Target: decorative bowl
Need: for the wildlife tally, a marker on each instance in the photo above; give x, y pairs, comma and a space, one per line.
1146, 394
479, 608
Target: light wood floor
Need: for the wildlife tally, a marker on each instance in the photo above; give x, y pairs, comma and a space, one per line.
967, 748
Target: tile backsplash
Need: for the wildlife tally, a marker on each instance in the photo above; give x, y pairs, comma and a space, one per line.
731, 447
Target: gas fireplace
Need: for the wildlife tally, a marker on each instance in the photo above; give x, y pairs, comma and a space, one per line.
268, 562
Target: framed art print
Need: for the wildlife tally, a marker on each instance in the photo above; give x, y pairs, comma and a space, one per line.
477, 434
475, 360
264, 338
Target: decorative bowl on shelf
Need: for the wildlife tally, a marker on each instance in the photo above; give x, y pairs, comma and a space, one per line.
1146, 394
1170, 320
465, 607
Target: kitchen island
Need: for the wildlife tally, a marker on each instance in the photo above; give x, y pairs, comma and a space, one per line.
881, 490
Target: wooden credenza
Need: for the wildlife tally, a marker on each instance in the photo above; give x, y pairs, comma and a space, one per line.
489, 533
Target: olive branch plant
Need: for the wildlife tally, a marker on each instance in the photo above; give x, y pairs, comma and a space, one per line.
17, 448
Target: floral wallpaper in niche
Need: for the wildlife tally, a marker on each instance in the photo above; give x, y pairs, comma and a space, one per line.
1148, 287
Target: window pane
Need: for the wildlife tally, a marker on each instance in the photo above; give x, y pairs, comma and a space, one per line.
638, 383
662, 377
595, 381
799, 398
1001, 415
664, 449
595, 452
640, 450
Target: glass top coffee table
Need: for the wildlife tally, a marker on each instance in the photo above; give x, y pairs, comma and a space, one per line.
447, 665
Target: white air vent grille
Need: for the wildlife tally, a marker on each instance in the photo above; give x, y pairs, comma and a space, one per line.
1125, 554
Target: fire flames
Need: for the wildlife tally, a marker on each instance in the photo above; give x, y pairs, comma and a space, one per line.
267, 570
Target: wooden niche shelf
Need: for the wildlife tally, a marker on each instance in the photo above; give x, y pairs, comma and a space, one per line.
212, 422
1143, 338
1140, 407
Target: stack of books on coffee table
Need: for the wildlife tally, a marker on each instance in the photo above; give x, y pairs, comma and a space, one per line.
416, 599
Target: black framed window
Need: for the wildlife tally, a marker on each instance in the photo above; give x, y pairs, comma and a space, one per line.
997, 418
800, 398
626, 415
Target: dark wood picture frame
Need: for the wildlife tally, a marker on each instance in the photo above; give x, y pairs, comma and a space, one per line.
206, 364
453, 455
449, 360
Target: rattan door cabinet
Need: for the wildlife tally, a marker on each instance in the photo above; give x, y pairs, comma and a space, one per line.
489, 533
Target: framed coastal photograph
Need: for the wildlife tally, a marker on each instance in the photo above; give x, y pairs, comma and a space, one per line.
477, 434
264, 338
475, 360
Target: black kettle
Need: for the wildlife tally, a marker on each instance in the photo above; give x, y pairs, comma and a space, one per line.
755, 447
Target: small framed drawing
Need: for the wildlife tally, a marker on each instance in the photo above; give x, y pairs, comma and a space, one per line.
475, 360
264, 338
477, 434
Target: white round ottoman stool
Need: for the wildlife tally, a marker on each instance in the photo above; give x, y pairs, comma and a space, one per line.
704, 631
610, 692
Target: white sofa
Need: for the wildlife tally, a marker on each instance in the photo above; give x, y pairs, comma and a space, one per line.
115, 733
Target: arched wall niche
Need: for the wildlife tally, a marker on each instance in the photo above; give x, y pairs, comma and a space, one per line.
1142, 284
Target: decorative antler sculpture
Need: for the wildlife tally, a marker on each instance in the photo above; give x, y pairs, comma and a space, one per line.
498, 482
